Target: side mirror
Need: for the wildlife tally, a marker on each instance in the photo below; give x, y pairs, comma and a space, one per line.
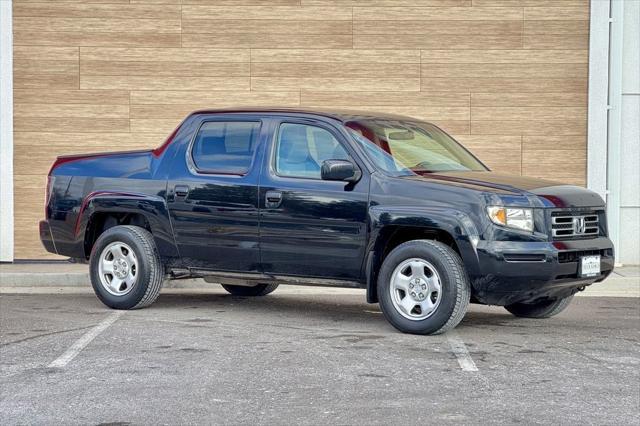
343, 170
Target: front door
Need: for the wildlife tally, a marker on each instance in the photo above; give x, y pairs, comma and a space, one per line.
309, 226
212, 195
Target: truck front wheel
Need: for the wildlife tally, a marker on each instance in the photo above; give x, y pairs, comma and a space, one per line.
423, 287
125, 268
544, 309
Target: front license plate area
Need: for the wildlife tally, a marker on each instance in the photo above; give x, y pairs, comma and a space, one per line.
589, 266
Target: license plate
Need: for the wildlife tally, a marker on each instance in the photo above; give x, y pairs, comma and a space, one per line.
589, 266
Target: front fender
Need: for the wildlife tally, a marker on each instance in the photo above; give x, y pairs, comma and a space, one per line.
153, 208
457, 224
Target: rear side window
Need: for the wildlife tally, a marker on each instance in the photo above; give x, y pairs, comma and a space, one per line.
225, 146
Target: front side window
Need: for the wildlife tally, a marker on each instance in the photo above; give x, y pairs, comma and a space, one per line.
302, 148
225, 146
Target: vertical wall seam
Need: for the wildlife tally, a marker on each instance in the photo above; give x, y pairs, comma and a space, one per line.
521, 153
181, 29
615, 120
6, 133
353, 42
522, 30
598, 93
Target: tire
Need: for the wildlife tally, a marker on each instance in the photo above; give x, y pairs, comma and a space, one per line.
258, 290
539, 310
141, 286
447, 307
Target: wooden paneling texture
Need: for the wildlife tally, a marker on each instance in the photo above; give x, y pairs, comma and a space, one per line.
508, 78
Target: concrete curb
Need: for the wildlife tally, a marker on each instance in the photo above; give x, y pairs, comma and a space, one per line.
43, 280
68, 278
62, 274
72, 280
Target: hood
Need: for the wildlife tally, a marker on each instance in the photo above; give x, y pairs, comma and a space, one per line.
551, 194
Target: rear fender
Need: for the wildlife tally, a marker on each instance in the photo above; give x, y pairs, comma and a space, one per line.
153, 208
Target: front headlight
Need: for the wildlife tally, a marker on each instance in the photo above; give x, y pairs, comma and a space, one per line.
511, 217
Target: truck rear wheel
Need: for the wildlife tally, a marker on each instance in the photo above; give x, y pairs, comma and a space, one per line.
423, 287
544, 309
125, 268
258, 290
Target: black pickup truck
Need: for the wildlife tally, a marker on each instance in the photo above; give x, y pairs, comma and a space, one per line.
253, 198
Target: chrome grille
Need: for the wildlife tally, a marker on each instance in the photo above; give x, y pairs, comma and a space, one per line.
575, 226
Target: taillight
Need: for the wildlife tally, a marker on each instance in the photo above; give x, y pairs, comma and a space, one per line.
47, 195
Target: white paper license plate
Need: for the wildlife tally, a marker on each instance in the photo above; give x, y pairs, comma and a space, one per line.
589, 266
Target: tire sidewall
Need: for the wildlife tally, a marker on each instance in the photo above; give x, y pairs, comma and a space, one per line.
449, 288
131, 299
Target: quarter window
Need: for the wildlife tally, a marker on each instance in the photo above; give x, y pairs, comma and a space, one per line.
225, 146
302, 148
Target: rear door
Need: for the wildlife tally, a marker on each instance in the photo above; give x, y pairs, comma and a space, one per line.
308, 226
212, 195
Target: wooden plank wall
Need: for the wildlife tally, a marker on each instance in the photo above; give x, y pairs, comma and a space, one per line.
506, 77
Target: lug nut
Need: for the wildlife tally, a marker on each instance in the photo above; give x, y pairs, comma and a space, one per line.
410, 285
424, 287
413, 294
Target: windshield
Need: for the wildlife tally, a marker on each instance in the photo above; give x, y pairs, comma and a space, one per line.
408, 147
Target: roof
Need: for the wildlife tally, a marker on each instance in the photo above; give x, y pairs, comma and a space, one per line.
336, 114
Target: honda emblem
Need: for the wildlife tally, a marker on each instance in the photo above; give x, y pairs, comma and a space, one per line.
579, 225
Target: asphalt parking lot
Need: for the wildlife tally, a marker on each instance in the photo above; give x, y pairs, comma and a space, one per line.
310, 356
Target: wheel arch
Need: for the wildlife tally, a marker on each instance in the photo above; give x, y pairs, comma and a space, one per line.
101, 211
392, 227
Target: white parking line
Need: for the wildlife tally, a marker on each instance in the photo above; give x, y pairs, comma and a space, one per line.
82, 342
460, 351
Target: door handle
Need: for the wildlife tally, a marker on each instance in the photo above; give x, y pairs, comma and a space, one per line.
273, 198
181, 190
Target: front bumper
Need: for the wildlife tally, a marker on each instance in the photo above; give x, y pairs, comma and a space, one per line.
515, 271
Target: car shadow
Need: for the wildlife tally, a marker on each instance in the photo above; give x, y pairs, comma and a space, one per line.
329, 307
